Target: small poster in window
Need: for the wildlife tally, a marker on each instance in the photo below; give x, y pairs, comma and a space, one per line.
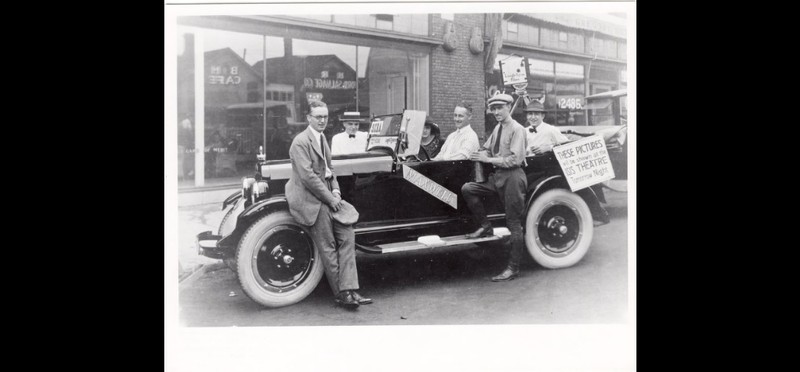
514, 70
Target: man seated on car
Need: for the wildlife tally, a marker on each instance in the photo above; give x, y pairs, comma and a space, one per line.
542, 137
505, 150
464, 141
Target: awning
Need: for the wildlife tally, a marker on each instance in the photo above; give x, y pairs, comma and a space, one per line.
603, 23
598, 104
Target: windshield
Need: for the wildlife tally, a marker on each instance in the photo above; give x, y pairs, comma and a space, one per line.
406, 128
608, 111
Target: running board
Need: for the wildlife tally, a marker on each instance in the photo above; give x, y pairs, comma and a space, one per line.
433, 241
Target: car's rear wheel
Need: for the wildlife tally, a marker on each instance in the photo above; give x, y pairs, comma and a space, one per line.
278, 264
558, 229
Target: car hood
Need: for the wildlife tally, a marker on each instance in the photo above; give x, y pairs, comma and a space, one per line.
343, 165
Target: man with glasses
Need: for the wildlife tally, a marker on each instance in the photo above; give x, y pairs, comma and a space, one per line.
313, 195
541, 136
505, 150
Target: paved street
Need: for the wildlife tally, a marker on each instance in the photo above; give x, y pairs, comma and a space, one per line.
447, 287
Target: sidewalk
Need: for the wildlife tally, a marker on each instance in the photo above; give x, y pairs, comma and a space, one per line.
193, 220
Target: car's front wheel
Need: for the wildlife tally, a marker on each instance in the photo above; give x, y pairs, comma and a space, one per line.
558, 229
278, 264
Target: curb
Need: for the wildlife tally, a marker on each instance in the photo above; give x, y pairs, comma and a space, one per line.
201, 270
191, 277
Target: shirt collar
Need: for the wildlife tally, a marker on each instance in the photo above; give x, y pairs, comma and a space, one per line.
509, 123
463, 129
314, 131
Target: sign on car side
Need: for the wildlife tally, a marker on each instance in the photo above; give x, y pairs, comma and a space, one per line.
585, 162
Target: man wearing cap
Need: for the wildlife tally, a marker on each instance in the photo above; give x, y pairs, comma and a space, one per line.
313, 195
350, 141
464, 141
505, 149
541, 136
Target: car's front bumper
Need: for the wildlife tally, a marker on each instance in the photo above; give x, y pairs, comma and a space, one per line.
206, 244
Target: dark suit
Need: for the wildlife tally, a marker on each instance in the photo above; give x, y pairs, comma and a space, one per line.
309, 196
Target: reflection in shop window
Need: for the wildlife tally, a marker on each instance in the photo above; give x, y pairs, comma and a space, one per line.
570, 94
230, 82
244, 108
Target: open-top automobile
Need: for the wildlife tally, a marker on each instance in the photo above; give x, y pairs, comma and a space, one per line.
405, 201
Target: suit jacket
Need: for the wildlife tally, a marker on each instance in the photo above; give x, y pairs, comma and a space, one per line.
307, 189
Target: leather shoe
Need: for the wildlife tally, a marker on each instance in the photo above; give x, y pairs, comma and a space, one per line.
481, 232
346, 300
507, 274
361, 299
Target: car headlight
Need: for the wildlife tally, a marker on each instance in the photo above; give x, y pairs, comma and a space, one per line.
253, 190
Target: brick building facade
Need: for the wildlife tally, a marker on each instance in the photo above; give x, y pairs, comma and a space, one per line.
457, 75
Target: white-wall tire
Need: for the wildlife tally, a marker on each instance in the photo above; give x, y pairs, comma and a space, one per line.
558, 229
278, 264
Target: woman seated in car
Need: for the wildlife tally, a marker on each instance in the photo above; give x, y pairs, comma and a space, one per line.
431, 140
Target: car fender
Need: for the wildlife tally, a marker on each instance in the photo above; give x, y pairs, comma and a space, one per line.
231, 199
587, 194
251, 214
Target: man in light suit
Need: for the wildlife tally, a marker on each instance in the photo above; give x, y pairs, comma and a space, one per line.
313, 194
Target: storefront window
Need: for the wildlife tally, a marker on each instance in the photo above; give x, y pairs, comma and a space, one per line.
234, 102
550, 38
561, 84
255, 91
570, 88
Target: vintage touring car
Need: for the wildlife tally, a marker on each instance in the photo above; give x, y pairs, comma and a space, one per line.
405, 203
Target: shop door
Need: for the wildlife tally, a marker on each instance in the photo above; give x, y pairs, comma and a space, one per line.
396, 94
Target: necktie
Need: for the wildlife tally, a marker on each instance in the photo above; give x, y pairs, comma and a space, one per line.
532, 129
322, 145
352, 136
497, 140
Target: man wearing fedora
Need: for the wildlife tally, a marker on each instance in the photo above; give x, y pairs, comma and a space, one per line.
505, 149
541, 136
313, 196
